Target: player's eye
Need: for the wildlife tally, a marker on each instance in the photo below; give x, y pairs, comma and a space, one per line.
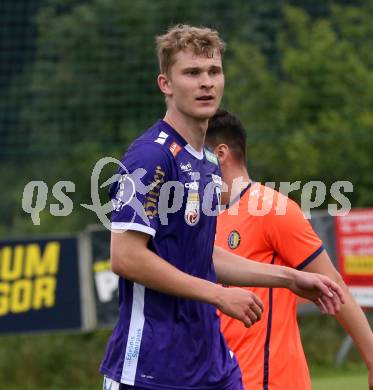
192, 72
215, 71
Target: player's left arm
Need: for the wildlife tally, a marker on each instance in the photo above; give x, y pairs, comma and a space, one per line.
238, 271
351, 316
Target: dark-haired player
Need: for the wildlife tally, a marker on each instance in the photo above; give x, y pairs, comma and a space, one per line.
270, 228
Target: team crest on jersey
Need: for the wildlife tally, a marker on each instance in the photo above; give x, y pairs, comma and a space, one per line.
234, 239
192, 209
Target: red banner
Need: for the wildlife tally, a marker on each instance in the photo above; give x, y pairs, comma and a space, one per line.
354, 239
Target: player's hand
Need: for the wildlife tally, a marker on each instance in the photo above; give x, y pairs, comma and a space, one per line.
241, 304
321, 290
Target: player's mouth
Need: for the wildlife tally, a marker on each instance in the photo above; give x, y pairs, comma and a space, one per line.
205, 98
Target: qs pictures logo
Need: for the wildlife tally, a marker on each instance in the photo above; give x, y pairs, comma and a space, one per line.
28, 277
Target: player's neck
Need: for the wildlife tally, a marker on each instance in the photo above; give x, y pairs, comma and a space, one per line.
192, 130
237, 179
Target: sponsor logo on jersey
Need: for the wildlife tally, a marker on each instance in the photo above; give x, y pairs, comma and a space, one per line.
234, 239
175, 148
217, 179
151, 199
192, 185
186, 167
192, 209
193, 197
211, 157
162, 136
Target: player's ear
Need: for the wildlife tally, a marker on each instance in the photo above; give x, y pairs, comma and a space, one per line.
164, 84
221, 151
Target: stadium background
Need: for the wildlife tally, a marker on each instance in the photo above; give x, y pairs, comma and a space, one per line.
77, 83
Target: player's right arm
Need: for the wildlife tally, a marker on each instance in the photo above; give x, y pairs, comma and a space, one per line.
238, 271
131, 259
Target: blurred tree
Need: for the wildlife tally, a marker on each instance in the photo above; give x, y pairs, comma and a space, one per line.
91, 89
354, 24
95, 67
93, 75
313, 120
17, 48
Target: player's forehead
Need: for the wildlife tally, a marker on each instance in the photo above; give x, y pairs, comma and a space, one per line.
188, 59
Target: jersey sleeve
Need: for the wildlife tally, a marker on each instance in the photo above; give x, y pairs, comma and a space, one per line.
292, 236
135, 193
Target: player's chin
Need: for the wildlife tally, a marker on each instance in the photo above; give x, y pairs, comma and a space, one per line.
204, 113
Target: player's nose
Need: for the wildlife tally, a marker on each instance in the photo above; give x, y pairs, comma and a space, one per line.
206, 80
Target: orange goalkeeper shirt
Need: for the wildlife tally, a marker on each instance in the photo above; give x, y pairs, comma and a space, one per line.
269, 228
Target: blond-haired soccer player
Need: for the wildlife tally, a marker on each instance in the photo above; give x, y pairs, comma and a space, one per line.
263, 225
162, 244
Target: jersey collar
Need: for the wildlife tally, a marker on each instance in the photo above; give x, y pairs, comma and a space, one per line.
168, 128
239, 196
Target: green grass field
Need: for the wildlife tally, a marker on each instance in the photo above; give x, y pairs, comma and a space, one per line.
70, 361
331, 378
350, 376
341, 382
334, 382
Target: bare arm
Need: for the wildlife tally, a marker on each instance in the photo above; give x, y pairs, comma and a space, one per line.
351, 317
237, 271
131, 259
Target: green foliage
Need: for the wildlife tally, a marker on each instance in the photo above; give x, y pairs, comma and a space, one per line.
354, 24
300, 78
94, 76
76, 167
52, 361
311, 120
91, 89
84, 83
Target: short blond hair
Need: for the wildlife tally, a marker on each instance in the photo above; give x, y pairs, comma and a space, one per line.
200, 40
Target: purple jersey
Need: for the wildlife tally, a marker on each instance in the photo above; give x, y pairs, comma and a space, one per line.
169, 191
